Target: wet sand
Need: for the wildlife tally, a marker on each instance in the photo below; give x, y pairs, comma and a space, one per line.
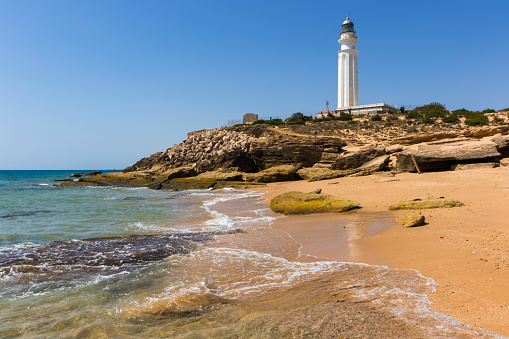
464, 249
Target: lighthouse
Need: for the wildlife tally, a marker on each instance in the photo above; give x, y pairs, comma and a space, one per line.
348, 73
348, 79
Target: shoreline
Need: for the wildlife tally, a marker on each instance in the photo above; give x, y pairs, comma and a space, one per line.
462, 249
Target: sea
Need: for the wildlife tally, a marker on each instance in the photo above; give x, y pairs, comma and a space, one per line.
112, 262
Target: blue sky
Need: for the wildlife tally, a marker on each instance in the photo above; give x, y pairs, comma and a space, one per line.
100, 84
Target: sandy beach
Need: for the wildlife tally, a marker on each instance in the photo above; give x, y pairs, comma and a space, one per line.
464, 249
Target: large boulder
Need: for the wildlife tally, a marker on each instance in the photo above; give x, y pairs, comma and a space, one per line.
317, 173
314, 202
273, 174
179, 172
443, 156
359, 158
206, 180
502, 142
411, 220
377, 164
425, 203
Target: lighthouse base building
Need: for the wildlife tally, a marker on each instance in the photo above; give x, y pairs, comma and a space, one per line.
348, 75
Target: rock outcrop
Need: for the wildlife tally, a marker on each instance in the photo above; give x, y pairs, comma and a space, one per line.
502, 142
314, 202
207, 150
357, 159
411, 220
244, 149
318, 173
272, 174
433, 157
425, 203
256, 154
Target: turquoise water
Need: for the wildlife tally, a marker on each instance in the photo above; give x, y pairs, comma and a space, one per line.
106, 262
34, 211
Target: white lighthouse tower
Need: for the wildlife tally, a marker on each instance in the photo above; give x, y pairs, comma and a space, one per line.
348, 74
348, 79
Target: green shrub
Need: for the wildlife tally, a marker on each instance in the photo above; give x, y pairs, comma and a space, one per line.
505, 109
430, 112
429, 119
295, 122
345, 117
392, 117
351, 122
321, 119
476, 119
276, 121
413, 115
462, 112
472, 118
489, 110
298, 116
376, 118
450, 118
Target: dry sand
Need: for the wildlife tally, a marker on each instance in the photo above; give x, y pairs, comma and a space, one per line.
464, 249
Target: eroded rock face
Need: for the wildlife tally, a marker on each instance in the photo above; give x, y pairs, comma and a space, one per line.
246, 150
301, 151
443, 156
502, 144
317, 148
377, 164
273, 174
359, 158
210, 149
481, 165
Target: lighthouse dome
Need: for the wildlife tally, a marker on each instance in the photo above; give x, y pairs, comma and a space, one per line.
347, 26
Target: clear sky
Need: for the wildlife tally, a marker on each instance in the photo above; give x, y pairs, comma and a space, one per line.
96, 84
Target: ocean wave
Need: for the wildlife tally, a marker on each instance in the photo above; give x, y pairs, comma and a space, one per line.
202, 282
228, 221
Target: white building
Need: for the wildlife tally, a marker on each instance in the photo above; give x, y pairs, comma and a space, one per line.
348, 77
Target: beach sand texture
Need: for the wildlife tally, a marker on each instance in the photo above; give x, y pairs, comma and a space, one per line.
464, 249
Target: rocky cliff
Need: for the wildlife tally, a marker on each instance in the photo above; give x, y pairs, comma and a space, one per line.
252, 154
245, 149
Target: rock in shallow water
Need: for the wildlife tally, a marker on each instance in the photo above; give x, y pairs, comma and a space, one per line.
94, 255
